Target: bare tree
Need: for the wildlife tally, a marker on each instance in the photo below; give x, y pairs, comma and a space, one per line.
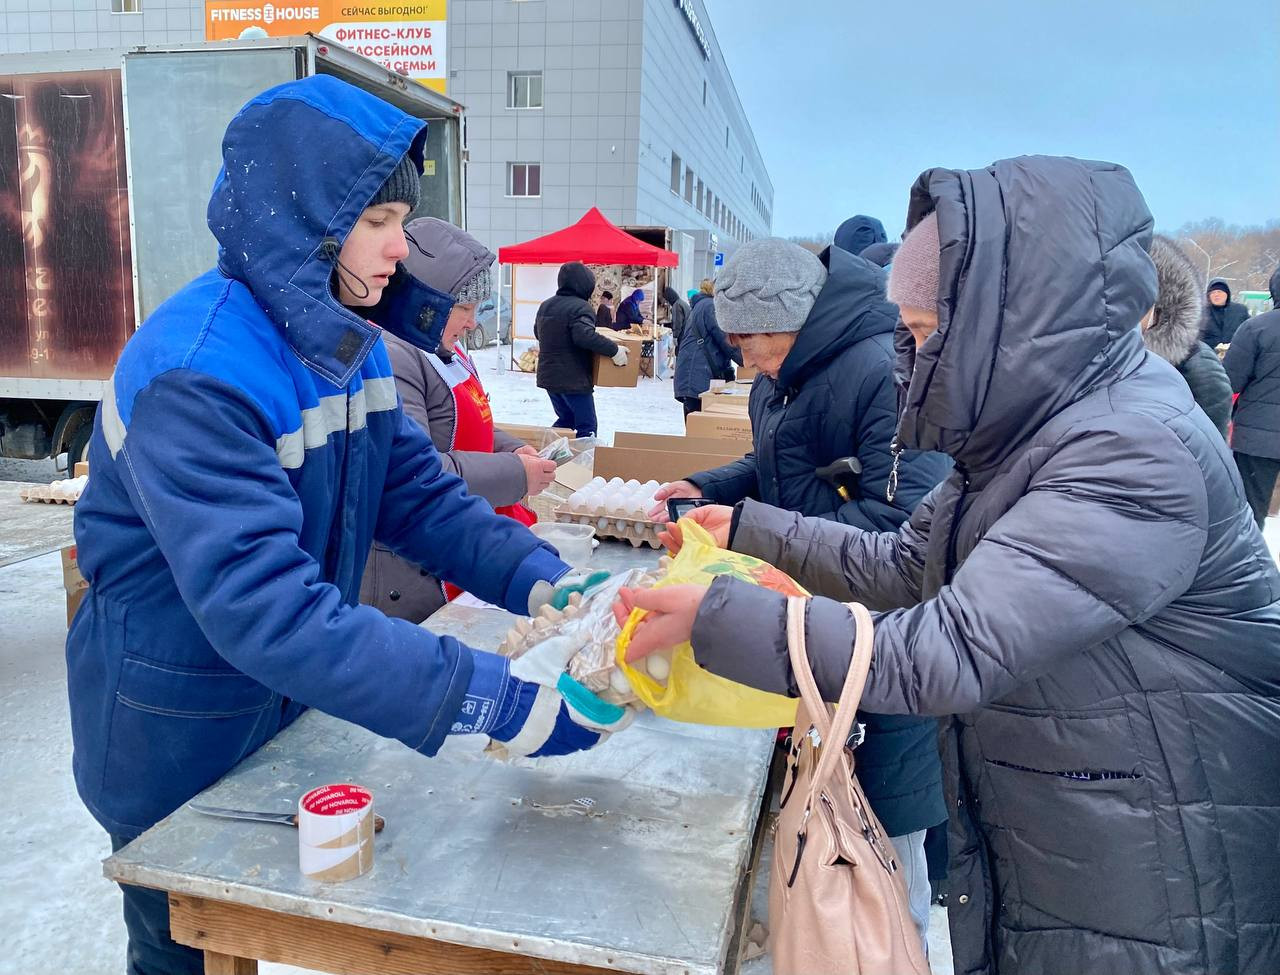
1245, 256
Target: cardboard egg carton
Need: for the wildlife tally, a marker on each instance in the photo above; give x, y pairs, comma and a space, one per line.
636, 530
66, 491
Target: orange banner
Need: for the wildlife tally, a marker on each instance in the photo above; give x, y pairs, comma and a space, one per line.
406, 36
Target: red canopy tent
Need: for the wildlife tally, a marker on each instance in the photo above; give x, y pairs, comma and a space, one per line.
592, 240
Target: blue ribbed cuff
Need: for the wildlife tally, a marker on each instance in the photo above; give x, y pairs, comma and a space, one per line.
540, 565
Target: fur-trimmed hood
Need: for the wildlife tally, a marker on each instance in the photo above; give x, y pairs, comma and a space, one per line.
1177, 320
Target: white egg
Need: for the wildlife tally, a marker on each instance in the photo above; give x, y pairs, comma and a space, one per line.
618, 681
659, 666
651, 487
615, 482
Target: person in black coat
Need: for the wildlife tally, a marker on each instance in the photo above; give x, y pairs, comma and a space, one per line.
568, 343
1253, 363
1222, 316
702, 352
679, 312
820, 331
1172, 331
604, 310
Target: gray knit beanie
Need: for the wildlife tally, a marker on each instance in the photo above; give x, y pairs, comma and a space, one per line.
768, 285
404, 185
913, 276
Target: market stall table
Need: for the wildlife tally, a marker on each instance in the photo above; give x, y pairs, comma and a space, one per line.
632, 857
30, 529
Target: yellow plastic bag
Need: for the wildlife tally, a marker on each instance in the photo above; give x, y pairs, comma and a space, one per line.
694, 695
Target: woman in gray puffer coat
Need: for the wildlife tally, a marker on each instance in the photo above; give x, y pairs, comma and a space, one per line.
1109, 649
1172, 330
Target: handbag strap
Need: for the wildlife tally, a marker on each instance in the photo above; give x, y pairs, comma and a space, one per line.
834, 732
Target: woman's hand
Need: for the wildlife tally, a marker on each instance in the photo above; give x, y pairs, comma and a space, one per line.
715, 518
526, 451
676, 489
668, 621
538, 473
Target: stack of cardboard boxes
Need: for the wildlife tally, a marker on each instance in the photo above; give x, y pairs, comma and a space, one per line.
723, 415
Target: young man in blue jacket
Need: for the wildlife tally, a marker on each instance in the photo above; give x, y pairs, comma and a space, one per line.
249, 449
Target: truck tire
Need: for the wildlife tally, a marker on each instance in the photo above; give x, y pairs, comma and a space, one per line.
78, 448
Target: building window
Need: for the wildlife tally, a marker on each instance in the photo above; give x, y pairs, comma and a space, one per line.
524, 89
524, 179
675, 174
126, 6
704, 91
698, 205
688, 185
726, 137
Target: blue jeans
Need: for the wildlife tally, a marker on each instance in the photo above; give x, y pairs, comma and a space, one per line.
152, 951
575, 411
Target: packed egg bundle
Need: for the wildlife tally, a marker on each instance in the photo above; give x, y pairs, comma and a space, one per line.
594, 666
56, 492
616, 509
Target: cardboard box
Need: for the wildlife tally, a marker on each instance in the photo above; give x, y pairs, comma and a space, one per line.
727, 399
605, 373
535, 436
718, 426
82, 469
646, 456
72, 581
747, 374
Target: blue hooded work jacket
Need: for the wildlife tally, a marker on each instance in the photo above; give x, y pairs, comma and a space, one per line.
249, 449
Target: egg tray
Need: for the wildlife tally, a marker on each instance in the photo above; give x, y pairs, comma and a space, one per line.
637, 531
48, 494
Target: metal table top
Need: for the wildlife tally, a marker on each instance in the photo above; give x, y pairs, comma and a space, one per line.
495, 855
29, 529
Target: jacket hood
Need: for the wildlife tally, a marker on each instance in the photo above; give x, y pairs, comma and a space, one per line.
1274, 285
880, 254
698, 296
636, 296
670, 296
576, 281
858, 233
444, 256
850, 307
281, 209
1219, 284
1044, 276
1175, 322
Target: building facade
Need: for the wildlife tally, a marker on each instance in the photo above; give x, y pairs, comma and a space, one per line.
627, 105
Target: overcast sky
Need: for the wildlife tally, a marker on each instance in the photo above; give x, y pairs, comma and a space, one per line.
851, 99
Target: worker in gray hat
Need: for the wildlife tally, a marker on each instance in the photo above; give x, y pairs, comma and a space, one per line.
442, 391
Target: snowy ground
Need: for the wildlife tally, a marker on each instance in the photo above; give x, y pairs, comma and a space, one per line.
59, 914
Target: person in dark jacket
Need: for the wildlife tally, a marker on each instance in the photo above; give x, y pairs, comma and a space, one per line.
604, 310
1172, 331
702, 353
1222, 316
568, 343
828, 393
679, 312
1106, 644
248, 449
881, 255
630, 311
1253, 363
441, 391
858, 233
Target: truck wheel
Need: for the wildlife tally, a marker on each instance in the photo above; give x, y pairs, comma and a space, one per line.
78, 448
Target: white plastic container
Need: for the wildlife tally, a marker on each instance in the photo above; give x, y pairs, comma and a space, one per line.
574, 542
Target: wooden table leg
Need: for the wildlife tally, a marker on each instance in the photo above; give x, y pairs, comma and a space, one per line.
216, 963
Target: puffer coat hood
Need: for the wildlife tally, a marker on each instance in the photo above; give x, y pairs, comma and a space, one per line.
858, 233
576, 280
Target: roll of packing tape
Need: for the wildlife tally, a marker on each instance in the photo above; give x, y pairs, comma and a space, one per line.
335, 832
